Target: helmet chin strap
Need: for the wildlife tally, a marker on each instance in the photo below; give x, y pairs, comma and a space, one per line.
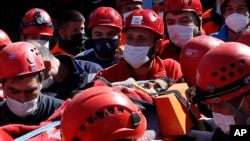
238, 113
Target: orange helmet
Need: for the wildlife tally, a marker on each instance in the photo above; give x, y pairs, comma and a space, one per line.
145, 18
5, 137
223, 73
36, 21
120, 3
20, 58
192, 53
100, 113
184, 5
105, 16
4, 39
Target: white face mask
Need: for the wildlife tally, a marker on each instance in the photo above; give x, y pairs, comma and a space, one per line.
136, 56
47, 82
44, 43
180, 34
223, 121
22, 109
125, 15
236, 22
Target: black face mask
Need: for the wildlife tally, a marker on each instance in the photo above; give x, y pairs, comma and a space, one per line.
105, 47
75, 45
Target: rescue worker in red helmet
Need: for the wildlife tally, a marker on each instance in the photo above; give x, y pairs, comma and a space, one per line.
182, 20
236, 16
143, 28
4, 39
37, 25
102, 114
222, 80
21, 66
105, 26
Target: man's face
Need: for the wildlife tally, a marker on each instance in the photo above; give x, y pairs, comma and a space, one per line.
102, 31
37, 37
22, 90
236, 6
129, 7
139, 37
184, 19
73, 27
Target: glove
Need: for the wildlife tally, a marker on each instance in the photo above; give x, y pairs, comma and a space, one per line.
199, 135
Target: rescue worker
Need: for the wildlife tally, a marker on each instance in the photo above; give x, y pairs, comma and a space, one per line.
105, 25
212, 20
191, 55
21, 66
224, 84
125, 7
37, 25
236, 13
64, 76
71, 32
182, 22
143, 28
102, 113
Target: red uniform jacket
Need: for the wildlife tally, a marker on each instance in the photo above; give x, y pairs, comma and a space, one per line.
168, 51
160, 68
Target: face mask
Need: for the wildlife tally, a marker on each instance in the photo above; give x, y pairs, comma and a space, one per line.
125, 15
75, 45
22, 109
136, 56
223, 121
180, 34
236, 22
47, 82
44, 43
105, 47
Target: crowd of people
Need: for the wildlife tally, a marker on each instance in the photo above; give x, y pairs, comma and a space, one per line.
116, 71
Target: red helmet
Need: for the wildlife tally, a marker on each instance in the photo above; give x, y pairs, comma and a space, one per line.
37, 21
20, 58
100, 113
184, 5
5, 137
223, 73
105, 16
120, 3
145, 18
192, 53
4, 39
